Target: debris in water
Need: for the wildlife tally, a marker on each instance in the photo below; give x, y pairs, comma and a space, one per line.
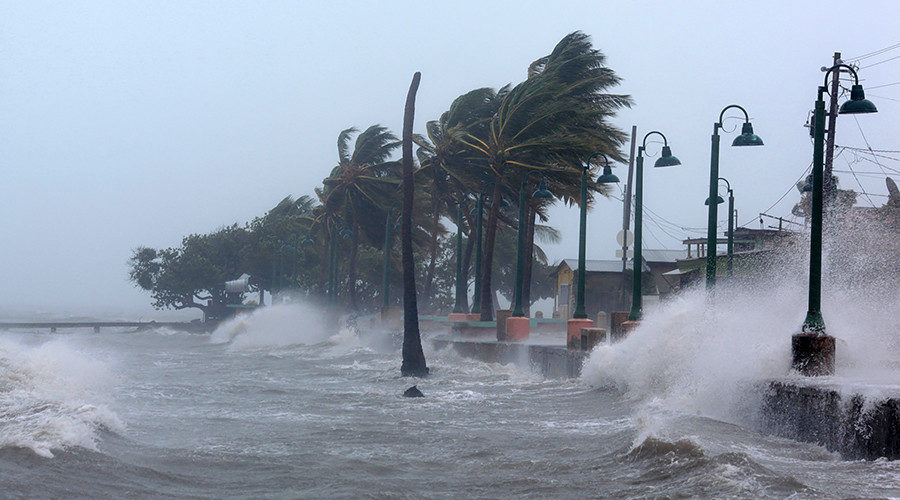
413, 392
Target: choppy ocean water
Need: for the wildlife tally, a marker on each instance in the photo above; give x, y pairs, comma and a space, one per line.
274, 406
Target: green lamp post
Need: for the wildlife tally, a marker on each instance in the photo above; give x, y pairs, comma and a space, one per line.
729, 265
665, 160
332, 270
386, 268
747, 138
478, 212
542, 192
605, 178
458, 307
813, 349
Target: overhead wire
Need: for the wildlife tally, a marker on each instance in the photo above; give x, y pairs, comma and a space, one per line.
879, 62
873, 53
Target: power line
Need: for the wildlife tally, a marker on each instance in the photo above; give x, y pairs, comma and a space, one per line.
792, 187
879, 62
884, 85
874, 53
867, 143
862, 189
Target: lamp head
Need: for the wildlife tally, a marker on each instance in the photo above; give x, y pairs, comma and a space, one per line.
719, 200
607, 177
542, 191
857, 103
747, 137
666, 159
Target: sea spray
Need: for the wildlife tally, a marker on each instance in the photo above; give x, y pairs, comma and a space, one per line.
53, 397
280, 325
689, 357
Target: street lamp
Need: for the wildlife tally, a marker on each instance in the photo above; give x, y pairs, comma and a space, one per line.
332, 268
386, 270
747, 138
517, 324
458, 308
729, 266
665, 160
605, 178
813, 349
479, 211
543, 193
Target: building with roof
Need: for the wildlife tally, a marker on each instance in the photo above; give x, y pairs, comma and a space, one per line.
607, 288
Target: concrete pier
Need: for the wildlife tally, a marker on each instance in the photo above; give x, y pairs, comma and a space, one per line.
839, 418
548, 360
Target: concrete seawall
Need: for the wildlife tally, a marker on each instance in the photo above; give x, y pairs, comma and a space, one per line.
840, 420
550, 361
853, 425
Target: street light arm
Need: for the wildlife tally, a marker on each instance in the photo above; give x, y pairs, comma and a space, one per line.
644, 142
587, 164
837, 67
730, 106
726, 182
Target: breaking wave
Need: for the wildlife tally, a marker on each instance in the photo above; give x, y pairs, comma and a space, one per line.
53, 397
281, 325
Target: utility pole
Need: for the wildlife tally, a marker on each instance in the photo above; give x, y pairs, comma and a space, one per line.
829, 185
626, 215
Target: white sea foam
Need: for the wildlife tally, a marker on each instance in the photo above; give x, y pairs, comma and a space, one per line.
280, 325
52, 397
687, 357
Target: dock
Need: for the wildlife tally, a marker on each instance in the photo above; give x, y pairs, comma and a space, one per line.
53, 326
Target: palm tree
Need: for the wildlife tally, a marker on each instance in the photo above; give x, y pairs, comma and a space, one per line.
360, 188
413, 356
549, 123
443, 160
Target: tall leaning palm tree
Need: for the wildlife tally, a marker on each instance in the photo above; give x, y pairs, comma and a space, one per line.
413, 356
359, 190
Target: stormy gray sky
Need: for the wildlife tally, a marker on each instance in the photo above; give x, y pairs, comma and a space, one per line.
135, 123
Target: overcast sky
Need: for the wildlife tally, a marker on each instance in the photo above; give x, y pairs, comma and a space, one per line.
135, 123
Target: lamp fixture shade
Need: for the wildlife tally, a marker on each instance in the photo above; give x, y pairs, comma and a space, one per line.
542, 191
719, 201
857, 103
747, 137
607, 177
666, 159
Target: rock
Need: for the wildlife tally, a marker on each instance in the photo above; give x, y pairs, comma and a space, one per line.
413, 392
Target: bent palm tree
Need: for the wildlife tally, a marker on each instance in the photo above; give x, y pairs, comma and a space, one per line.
413, 356
360, 188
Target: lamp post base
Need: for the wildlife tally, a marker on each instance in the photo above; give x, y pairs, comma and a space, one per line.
813, 354
573, 331
517, 328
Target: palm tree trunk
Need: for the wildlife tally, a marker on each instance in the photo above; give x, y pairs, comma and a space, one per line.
528, 265
487, 261
354, 248
413, 356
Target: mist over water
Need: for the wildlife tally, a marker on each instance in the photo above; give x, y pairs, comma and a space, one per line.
276, 404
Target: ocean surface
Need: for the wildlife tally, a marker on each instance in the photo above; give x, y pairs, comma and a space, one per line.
274, 405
